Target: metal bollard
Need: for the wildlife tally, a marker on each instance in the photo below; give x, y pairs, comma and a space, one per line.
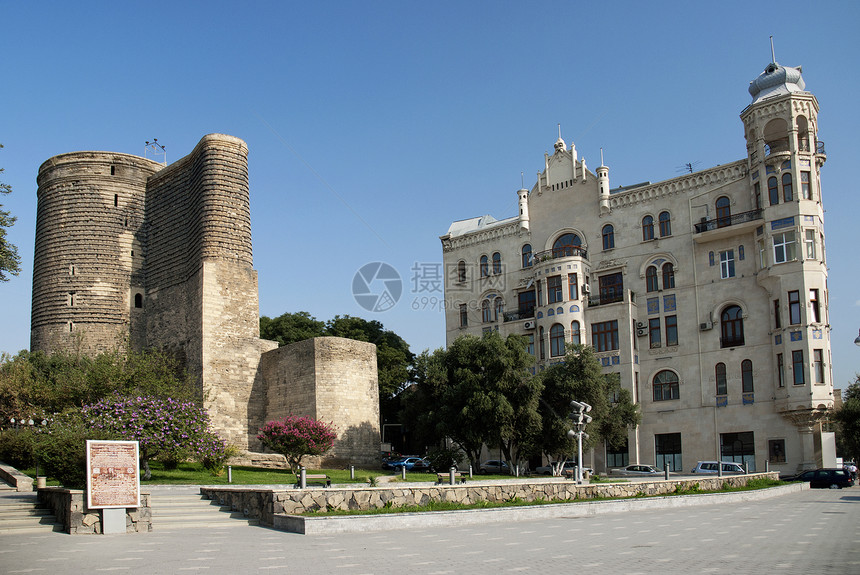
767, 466
746, 467
403, 472
470, 471
452, 476
517, 470
229, 474
352, 472
666, 473
719, 469
303, 478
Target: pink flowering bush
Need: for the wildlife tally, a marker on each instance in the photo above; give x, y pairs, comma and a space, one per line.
166, 429
297, 436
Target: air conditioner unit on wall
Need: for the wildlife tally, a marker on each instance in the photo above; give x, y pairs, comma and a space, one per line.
586, 288
640, 325
641, 331
706, 326
529, 324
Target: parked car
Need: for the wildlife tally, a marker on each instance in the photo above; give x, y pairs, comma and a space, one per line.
397, 462
824, 478
547, 469
422, 465
637, 471
494, 466
407, 462
710, 467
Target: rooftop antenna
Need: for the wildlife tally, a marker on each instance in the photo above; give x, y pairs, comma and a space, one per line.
559, 131
601, 156
522, 180
157, 152
688, 168
772, 55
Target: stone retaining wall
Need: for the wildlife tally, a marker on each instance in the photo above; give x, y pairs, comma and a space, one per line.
15, 478
264, 504
69, 506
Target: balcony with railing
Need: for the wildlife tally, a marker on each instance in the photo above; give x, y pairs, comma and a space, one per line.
610, 296
727, 225
519, 314
557, 253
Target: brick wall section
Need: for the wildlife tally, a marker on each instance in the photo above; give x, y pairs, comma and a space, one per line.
334, 380
69, 506
88, 223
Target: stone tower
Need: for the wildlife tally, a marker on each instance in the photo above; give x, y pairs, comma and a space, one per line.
161, 255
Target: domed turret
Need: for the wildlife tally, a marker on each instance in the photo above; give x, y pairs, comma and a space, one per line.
776, 80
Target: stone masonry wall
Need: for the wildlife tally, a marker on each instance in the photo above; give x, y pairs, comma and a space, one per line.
69, 506
332, 379
264, 504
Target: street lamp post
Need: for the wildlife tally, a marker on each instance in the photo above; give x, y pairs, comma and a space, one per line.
580, 419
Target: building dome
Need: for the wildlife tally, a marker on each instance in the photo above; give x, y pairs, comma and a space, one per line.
775, 81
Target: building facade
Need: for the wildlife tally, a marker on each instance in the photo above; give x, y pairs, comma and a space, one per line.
706, 293
128, 249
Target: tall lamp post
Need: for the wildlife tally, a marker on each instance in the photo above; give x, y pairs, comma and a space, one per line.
580, 419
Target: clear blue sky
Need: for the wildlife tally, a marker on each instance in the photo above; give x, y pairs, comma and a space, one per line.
373, 125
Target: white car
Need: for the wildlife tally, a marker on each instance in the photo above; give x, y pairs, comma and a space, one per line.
637, 471
710, 467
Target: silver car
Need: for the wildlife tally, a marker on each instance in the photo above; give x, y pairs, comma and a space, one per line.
710, 467
637, 471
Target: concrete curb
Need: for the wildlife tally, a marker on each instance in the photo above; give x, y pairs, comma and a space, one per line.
369, 523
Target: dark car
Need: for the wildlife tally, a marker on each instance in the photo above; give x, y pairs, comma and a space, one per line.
824, 478
422, 465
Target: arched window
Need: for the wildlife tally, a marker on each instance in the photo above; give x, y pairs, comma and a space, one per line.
647, 228
574, 332
666, 386
138, 300
499, 308
746, 376
724, 212
732, 327
665, 224
787, 193
773, 190
651, 283
485, 266
608, 237
527, 256
722, 383
567, 245
668, 275
497, 263
556, 340
486, 315
461, 271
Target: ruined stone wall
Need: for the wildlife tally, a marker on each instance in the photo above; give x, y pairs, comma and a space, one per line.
334, 380
89, 251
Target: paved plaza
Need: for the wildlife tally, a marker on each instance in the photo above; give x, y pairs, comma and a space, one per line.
812, 531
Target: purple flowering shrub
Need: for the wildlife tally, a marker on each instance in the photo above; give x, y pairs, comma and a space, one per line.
166, 429
297, 436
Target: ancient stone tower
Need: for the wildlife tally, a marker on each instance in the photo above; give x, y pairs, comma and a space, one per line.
129, 248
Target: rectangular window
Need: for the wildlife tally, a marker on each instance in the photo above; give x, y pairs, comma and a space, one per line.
818, 358
813, 305
783, 247
809, 242
777, 318
667, 447
780, 370
530, 346
757, 193
572, 287
611, 288
553, 289
464, 315
617, 456
776, 450
804, 186
671, 330
797, 367
727, 264
793, 307
526, 303
762, 261
539, 293
604, 335
738, 447
654, 332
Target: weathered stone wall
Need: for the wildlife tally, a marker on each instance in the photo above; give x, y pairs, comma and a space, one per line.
264, 504
332, 379
89, 250
69, 506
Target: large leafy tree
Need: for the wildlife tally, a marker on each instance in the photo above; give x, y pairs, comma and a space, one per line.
477, 392
10, 261
291, 327
847, 419
580, 378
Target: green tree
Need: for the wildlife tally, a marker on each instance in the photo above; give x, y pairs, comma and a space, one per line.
580, 378
847, 419
477, 392
291, 327
10, 261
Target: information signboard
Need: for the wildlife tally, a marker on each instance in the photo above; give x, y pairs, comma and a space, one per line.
113, 474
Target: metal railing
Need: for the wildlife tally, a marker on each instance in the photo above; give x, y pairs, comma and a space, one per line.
555, 253
519, 314
726, 221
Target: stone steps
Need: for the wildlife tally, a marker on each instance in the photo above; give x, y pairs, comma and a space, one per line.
22, 513
172, 511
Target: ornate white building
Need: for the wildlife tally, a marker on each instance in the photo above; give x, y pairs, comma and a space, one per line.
707, 293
